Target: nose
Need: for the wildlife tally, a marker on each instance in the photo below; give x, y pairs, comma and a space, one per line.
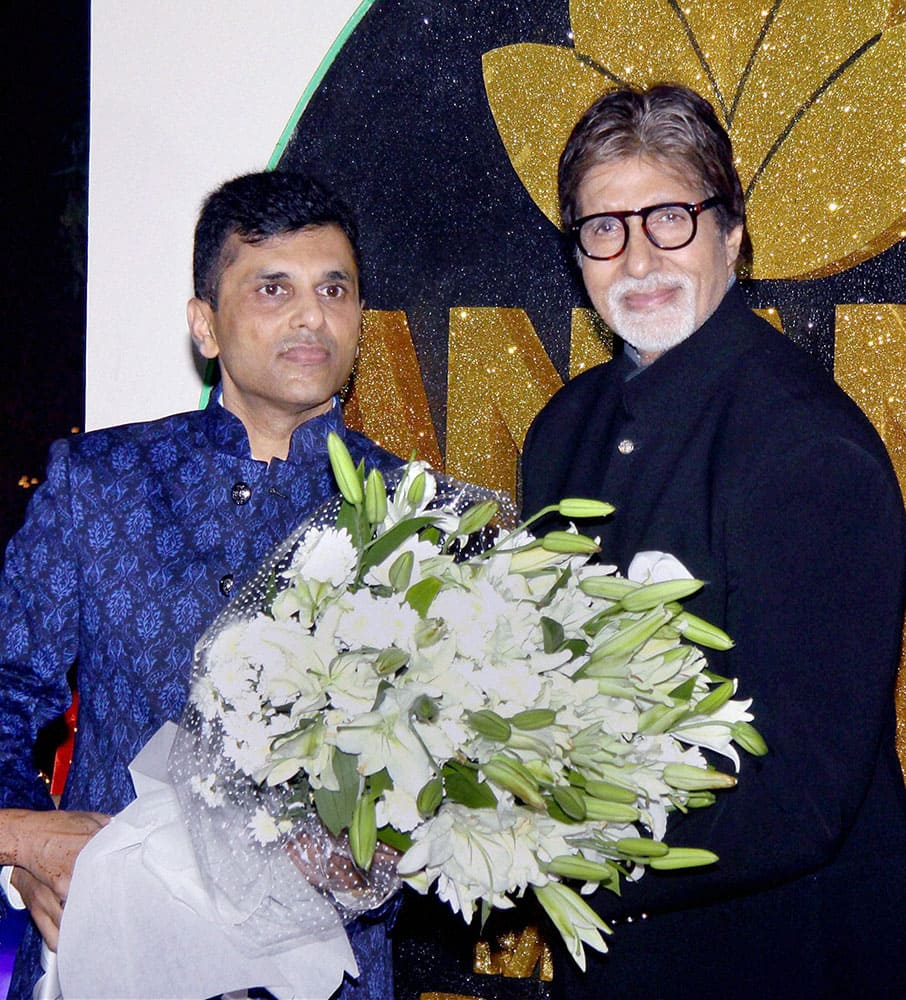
641, 256
309, 311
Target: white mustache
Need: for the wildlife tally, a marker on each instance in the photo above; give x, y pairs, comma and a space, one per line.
644, 286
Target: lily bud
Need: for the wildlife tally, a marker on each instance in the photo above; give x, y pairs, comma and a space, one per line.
613, 588
578, 867
571, 801
344, 470
363, 832
748, 737
476, 517
641, 848
582, 507
610, 792
651, 595
715, 699
610, 812
569, 542
689, 778
533, 718
633, 635
400, 572
430, 796
489, 724
683, 857
417, 489
375, 497
700, 632
390, 660
515, 778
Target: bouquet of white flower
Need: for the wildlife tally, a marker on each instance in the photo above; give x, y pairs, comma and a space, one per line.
504, 711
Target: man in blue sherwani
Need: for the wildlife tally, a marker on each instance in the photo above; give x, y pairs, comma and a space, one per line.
140, 533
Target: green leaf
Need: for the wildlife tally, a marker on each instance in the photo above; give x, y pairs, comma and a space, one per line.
553, 634
684, 691
386, 544
576, 647
336, 808
420, 595
378, 783
461, 785
561, 582
393, 838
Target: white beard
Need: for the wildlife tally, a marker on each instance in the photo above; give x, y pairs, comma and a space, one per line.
657, 330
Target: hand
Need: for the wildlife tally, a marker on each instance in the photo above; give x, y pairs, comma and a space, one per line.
327, 863
43, 847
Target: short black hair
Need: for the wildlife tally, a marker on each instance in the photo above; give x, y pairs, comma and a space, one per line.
256, 207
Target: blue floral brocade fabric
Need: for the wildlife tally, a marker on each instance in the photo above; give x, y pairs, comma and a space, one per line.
132, 545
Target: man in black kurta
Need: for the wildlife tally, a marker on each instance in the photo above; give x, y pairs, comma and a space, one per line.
719, 441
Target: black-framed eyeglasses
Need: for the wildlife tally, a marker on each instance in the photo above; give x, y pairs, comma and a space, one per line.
669, 226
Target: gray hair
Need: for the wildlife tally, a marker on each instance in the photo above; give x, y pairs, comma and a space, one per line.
669, 123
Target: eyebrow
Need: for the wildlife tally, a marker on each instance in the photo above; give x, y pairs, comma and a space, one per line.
335, 275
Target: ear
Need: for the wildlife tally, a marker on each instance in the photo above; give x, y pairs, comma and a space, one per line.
200, 317
732, 245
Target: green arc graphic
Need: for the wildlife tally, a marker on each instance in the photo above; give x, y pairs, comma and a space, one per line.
290, 127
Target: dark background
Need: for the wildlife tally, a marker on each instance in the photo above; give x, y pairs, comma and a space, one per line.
401, 125
42, 269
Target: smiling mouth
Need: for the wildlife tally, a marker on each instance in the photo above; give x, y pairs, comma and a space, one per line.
654, 299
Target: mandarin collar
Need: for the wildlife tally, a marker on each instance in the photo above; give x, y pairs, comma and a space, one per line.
666, 385
228, 434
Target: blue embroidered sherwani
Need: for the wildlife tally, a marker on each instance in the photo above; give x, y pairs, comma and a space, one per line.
131, 546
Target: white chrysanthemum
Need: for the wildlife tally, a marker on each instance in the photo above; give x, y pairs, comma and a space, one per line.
485, 626
511, 687
265, 829
206, 697
326, 555
228, 669
374, 622
293, 664
207, 789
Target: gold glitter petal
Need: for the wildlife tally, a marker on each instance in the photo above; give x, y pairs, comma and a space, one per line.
869, 359
490, 407
833, 194
772, 316
897, 13
727, 33
800, 51
639, 41
388, 401
536, 94
591, 341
